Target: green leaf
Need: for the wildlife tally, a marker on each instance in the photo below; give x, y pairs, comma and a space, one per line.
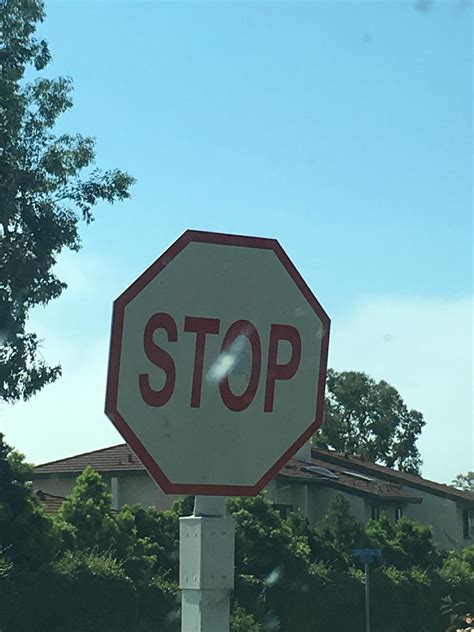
46, 190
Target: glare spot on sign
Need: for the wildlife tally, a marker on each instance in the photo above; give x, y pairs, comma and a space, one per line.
274, 576
271, 622
173, 615
221, 367
226, 362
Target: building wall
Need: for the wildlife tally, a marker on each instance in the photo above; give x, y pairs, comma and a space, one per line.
142, 490
300, 498
282, 494
314, 500
270, 490
320, 496
442, 515
130, 489
55, 486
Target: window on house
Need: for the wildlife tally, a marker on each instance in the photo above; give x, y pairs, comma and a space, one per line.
283, 510
362, 477
468, 523
322, 471
398, 513
375, 512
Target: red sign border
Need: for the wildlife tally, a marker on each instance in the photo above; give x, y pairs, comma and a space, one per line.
115, 352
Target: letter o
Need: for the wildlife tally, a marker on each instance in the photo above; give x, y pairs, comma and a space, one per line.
247, 329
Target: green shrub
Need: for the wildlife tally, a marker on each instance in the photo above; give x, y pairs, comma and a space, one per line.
242, 621
80, 593
158, 608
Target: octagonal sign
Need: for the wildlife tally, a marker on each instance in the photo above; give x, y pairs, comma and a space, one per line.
217, 364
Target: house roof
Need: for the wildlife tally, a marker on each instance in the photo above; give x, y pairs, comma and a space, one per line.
50, 502
327, 467
356, 464
115, 459
320, 472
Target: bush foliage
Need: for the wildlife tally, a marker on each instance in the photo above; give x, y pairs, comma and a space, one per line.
93, 569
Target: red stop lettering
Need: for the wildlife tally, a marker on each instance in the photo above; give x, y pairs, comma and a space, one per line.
241, 402
160, 358
202, 327
277, 371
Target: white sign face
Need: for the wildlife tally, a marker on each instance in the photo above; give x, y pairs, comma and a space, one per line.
217, 364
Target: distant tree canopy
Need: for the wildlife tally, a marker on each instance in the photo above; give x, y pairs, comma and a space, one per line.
46, 188
464, 482
370, 419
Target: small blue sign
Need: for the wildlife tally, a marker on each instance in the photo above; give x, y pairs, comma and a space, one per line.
367, 556
367, 552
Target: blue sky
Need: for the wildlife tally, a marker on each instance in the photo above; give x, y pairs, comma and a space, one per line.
343, 129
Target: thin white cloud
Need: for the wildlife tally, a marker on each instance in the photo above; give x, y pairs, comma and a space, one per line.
67, 417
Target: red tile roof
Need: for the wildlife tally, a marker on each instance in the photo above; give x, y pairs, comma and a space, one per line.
50, 502
117, 458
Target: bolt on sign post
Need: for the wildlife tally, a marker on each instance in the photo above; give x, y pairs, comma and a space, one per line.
216, 378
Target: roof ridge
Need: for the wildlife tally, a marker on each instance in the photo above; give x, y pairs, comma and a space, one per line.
43, 493
384, 470
376, 488
75, 456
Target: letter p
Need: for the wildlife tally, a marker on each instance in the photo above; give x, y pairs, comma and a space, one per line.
277, 371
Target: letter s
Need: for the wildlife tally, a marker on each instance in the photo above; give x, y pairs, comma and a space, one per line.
160, 358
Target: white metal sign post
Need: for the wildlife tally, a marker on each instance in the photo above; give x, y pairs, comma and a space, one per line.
206, 571
216, 378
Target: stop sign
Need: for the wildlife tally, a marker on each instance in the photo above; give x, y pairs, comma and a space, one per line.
217, 364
